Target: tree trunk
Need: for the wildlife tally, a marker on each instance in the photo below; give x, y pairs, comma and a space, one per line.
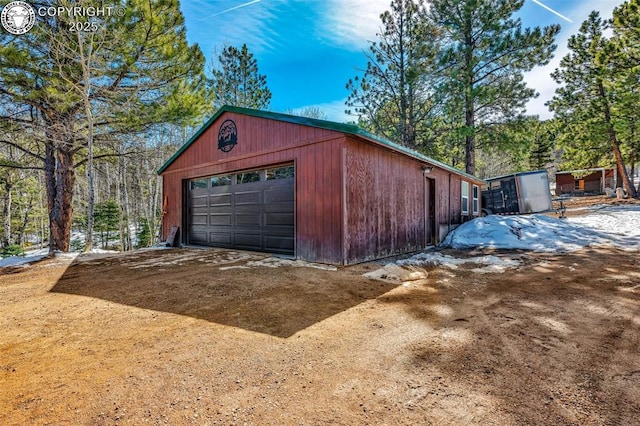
60, 177
153, 224
469, 101
22, 230
6, 212
615, 145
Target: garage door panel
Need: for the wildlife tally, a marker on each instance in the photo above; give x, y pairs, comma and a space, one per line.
221, 219
199, 219
279, 219
199, 201
279, 195
198, 237
199, 210
248, 241
251, 219
279, 244
248, 197
221, 238
220, 200
247, 214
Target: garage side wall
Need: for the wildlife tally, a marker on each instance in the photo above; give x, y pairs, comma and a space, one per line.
385, 207
389, 207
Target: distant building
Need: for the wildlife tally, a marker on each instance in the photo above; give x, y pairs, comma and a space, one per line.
585, 181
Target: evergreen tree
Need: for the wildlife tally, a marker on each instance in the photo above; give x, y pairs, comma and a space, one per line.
394, 97
107, 218
543, 135
142, 73
591, 102
236, 80
626, 59
484, 53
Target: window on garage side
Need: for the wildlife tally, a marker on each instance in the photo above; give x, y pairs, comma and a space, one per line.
220, 181
476, 203
465, 198
248, 177
280, 173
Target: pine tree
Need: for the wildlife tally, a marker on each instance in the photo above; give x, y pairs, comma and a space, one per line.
591, 102
484, 53
236, 80
143, 73
394, 97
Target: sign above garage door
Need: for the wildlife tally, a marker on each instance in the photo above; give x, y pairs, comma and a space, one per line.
250, 210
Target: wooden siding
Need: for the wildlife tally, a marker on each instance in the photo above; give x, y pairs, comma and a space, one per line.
385, 210
387, 202
316, 154
565, 182
257, 137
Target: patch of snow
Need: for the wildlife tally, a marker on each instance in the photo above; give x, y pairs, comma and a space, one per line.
224, 268
616, 220
276, 262
29, 257
395, 272
491, 263
614, 226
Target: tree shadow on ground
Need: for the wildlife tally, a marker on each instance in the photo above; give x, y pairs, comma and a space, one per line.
218, 286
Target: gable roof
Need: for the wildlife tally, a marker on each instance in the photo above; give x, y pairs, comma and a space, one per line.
350, 129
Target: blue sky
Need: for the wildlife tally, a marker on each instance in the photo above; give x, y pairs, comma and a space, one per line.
309, 49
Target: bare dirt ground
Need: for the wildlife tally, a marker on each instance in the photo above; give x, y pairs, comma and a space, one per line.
188, 336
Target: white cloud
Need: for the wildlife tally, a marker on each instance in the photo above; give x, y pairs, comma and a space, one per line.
352, 23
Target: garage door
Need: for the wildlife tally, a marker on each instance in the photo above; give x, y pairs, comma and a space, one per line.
251, 210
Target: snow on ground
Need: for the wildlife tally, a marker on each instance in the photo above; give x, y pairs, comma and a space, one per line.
276, 262
29, 257
37, 255
617, 226
489, 263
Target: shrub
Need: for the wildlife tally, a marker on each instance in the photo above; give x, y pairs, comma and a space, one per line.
12, 250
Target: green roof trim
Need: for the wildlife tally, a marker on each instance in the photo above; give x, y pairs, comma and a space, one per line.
350, 129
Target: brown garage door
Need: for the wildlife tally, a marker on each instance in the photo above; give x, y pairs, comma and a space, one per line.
252, 210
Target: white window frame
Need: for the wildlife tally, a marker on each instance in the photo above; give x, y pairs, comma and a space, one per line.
464, 192
476, 202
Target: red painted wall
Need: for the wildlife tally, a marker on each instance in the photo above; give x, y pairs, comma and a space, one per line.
387, 202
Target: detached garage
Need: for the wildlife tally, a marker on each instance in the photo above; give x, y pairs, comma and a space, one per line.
313, 189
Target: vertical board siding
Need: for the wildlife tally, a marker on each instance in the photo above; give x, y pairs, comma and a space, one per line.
255, 135
385, 203
386, 209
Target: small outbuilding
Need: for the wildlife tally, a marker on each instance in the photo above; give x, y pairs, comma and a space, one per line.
517, 193
316, 190
585, 181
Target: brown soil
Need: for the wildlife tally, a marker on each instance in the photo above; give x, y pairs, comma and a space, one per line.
121, 339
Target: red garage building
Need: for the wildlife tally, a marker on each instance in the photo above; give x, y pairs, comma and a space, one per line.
317, 190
